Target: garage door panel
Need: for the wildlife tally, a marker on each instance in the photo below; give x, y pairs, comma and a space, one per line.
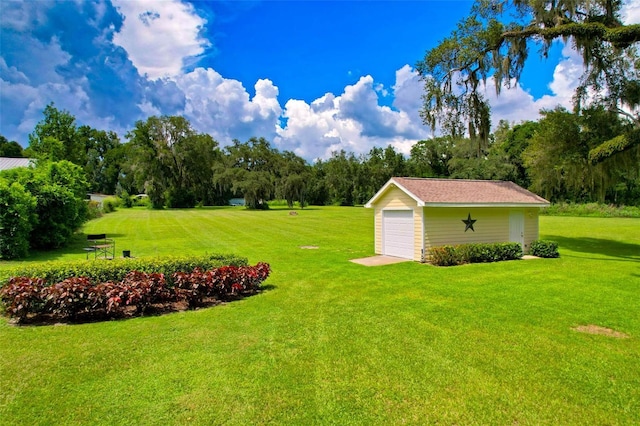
397, 229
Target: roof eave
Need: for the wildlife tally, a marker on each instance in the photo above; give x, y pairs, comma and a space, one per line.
384, 188
471, 204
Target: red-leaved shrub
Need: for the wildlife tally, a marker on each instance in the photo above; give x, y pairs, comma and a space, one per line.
69, 297
23, 296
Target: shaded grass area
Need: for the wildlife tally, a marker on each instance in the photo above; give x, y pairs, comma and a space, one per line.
339, 343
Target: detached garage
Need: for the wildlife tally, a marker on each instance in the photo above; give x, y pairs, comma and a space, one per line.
413, 214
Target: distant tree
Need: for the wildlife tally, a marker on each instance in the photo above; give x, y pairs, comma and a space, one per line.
293, 175
510, 143
558, 162
104, 156
61, 126
317, 191
249, 170
491, 165
430, 158
10, 149
341, 172
201, 154
48, 149
171, 161
376, 168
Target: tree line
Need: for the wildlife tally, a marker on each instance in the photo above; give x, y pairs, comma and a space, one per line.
176, 166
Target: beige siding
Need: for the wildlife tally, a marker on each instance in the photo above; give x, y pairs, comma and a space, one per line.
444, 226
531, 227
397, 199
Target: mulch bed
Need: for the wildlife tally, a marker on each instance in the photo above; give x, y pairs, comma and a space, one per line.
127, 312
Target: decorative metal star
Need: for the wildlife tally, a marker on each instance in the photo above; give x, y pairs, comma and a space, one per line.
469, 223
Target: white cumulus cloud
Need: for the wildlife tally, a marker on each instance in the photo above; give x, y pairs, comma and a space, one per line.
160, 36
516, 104
354, 121
223, 107
631, 12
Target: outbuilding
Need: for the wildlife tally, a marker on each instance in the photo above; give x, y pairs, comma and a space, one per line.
8, 163
414, 214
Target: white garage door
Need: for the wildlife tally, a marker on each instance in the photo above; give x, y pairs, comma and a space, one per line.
397, 233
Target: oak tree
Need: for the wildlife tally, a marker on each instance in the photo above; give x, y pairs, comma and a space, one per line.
495, 41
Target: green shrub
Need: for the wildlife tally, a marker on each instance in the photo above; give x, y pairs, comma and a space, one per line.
141, 201
110, 204
115, 270
93, 210
17, 216
445, 256
179, 198
509, 251
60, 189
543, 248
126, 200
474, 253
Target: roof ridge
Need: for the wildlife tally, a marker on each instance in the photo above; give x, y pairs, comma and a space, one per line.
454, 179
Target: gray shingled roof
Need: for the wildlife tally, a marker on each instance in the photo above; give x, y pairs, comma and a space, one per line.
7, 163
463, 192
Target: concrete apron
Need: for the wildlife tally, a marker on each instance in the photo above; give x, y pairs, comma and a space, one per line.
379, 260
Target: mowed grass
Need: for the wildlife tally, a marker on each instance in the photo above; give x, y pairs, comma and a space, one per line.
333, 342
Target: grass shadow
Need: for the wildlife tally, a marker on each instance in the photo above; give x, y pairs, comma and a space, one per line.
83, 237
268, 287
599, 246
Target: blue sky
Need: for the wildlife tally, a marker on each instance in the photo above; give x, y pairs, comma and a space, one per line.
310, 76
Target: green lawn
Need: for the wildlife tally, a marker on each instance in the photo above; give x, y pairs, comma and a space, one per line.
332, 342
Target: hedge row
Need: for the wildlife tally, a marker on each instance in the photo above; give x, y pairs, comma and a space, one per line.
474, 253
25, 296
115, 270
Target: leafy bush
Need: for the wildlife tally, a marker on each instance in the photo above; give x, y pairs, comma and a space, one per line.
75, 295
58, 217
509, 251
220, 283
474, 253
141, 201
493, 252
93, 210
115, 270
69, 297
178, 198
126, 200
17, 216
59, 189
110, 204
445, 256
543, 248
21, 296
